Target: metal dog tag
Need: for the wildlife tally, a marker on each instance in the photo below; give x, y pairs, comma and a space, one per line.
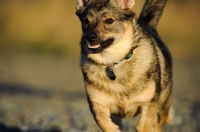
110, 73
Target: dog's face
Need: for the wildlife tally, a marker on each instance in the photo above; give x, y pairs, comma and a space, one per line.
103, 22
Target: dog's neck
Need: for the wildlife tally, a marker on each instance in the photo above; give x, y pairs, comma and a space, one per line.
117, 51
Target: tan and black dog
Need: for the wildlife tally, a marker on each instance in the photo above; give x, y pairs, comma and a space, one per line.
127, 68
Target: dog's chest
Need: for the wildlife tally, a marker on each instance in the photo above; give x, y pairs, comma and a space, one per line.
121, 96
109, 76
124, 107
118, 105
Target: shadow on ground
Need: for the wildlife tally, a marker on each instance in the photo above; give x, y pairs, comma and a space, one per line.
4, 128
21, 90
17, 89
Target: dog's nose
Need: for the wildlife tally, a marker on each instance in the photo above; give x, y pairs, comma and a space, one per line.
91, 37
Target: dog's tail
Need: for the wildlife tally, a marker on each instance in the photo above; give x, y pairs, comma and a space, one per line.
151, 13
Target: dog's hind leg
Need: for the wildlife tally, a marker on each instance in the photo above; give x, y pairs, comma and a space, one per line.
164, 116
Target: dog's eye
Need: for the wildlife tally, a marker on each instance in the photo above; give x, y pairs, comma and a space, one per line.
85, 21
109, 21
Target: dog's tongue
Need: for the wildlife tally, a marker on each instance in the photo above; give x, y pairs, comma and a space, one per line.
93, 46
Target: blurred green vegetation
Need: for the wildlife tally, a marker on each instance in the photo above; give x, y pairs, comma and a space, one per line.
51, 27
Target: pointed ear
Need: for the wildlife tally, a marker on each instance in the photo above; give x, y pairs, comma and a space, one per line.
80, 5
127, 4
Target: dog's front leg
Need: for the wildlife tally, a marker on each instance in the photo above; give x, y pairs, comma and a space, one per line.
147, 117
102, 117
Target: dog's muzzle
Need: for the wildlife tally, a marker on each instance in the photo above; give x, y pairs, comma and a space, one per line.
93, 42
95, 45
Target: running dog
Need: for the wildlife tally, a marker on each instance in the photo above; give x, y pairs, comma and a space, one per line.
127, 68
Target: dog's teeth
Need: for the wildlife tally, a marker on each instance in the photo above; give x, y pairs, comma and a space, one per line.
94, 46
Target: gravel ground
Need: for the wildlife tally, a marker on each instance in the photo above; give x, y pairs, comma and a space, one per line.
46, 94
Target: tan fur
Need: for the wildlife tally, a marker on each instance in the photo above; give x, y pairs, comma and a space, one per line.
113, 103
143, 81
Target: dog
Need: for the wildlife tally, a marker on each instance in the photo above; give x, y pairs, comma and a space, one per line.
127, 68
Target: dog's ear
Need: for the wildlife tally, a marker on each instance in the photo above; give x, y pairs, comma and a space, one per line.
81, 4
127, 4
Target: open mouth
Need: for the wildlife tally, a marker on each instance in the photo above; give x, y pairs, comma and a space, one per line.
97, 47
93, 46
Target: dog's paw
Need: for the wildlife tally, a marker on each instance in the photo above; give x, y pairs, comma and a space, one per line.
115, 129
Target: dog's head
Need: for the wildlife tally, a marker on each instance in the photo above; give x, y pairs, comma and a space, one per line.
104, 22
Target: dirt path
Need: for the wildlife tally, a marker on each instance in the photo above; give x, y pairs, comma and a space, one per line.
46, 94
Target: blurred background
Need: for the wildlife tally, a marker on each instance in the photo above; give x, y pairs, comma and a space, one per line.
41, 86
